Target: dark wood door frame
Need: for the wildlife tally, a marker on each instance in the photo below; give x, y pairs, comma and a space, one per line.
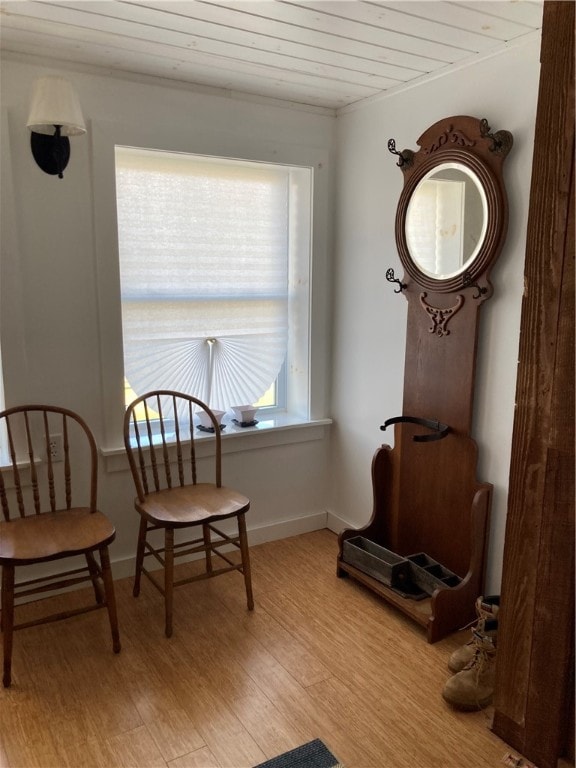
535, 666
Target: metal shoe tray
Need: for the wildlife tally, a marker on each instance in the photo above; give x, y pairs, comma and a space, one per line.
415, 576
380, 563
428, 574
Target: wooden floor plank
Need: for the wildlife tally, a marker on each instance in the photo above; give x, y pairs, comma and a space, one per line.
174, 733
319, 657
201, 758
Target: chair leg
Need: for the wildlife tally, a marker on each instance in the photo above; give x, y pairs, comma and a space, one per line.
245, 560
94, 575
207, 541
168, 578
7, 621
140, 555
110, 598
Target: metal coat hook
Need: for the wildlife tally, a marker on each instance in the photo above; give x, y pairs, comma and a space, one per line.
467, 283
405, 157
501, 140
391, 279
439, 430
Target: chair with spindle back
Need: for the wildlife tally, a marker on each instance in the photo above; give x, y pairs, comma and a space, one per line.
161, 447
48, 493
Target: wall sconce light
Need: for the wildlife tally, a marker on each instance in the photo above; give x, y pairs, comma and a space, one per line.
55, 114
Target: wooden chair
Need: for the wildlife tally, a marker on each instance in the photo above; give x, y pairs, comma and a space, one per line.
48, 497
160, 443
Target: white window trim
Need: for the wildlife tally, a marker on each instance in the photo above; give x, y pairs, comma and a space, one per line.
308, 404
14, 368
278, 430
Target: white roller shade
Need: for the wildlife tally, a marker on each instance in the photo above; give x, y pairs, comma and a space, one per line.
204, 274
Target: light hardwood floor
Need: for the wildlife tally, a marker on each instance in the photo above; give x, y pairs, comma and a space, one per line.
319, 657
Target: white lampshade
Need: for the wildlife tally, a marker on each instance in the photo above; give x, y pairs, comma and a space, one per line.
54, 102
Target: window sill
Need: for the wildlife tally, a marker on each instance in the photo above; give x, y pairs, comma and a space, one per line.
277, 430
24, 470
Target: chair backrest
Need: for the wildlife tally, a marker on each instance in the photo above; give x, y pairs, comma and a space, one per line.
52, 461
159, 435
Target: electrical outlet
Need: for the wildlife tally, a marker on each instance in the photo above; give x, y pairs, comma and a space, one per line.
56, 447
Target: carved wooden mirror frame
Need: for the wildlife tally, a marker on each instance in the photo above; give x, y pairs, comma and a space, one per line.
468, 143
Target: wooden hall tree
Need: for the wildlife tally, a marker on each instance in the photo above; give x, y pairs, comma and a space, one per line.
534, 701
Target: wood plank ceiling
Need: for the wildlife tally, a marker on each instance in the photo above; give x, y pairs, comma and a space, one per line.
328, 54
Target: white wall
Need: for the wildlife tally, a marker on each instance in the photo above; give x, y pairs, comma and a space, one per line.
59, 327
369, 321
51, 310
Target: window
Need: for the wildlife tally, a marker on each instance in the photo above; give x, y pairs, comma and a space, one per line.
214, 262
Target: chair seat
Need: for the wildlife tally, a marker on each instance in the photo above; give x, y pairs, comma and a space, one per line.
53, 534
191, 504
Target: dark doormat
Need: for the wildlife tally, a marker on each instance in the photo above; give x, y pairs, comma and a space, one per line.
315, 754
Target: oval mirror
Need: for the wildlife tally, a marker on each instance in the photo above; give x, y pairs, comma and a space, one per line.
452, 213
446, 220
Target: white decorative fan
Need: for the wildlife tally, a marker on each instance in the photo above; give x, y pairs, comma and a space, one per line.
221, 371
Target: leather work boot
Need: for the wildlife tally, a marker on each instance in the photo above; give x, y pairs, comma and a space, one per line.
472, 687
487, 612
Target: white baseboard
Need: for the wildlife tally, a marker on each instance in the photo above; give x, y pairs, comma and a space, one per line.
257, 535
337, 524
284, 529
287, 528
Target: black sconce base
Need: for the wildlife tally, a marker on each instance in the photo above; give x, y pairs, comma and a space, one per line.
51, 153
